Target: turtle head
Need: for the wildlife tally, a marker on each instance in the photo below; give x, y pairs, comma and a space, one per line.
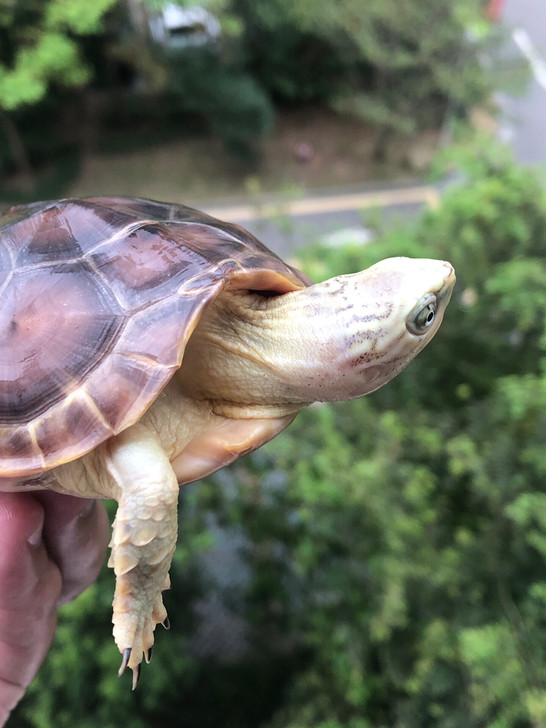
331, 341
384, 316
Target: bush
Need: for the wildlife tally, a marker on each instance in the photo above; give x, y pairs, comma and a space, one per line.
228, 99
397, 66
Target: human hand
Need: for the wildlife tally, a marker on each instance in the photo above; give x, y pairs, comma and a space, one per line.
52, 547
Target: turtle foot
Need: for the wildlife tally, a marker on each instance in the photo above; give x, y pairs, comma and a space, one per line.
140, 633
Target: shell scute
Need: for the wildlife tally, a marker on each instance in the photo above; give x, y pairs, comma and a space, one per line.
123, 387
49, 241
56, 323
74, 427
62, 231
140, 335
146, 265
19, 451
214, 243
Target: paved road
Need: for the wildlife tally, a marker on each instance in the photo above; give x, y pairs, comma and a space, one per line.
284, 225
523, 119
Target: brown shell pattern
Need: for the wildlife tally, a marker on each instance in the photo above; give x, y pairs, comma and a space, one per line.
97, 300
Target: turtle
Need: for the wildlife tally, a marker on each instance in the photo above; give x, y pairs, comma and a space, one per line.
145, 345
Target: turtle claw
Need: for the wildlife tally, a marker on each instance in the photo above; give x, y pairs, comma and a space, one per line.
142, 646
124, 661
136, 670
136, 674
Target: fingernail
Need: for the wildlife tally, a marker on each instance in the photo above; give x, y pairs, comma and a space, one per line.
36, 538
88, 510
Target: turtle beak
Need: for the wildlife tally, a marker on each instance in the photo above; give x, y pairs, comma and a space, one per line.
444, 294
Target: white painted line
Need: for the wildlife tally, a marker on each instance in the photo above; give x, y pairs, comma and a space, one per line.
525, 44
316, 205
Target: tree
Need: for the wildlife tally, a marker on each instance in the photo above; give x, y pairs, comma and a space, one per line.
39, 47
399, 65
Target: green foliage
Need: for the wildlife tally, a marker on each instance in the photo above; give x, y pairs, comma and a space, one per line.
37, 46
234, 106
420, 531
392, 63
41, 58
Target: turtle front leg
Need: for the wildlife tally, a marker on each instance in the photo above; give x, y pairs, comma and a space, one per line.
143, 540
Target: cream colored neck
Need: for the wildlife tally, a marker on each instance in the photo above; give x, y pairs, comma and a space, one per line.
281, 351
255, 350
337, 340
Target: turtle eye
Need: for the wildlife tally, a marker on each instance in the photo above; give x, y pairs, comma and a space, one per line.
422, 316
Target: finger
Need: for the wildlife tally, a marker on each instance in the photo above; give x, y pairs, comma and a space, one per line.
76, 532
30, 585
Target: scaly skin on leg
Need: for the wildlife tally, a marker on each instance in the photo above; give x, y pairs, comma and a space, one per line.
143, 540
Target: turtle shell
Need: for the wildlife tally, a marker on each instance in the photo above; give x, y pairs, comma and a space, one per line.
98, 298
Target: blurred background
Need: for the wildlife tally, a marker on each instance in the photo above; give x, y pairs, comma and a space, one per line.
380, 564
